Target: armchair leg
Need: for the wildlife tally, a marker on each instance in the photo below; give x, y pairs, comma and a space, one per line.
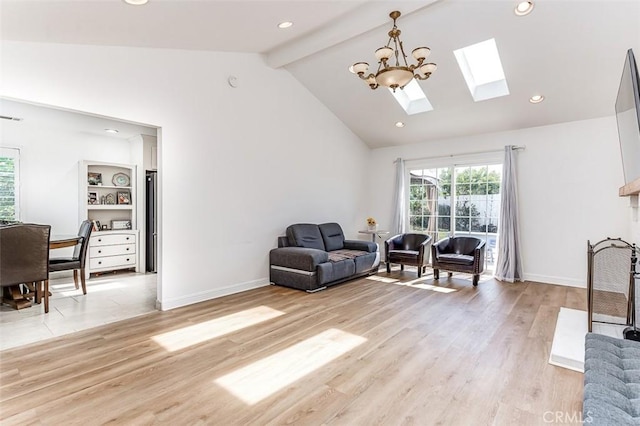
419, 271
388, 267
450, 274
75, 277
402, 266
436, 274
475, 280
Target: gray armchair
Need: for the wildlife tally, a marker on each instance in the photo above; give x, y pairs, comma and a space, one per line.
459, 254
408, 249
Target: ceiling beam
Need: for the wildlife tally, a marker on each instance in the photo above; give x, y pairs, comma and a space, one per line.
372, 15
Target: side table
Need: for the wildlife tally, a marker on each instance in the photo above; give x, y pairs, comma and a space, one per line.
380, 233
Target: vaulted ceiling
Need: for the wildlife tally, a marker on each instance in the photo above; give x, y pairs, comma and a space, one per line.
570, 51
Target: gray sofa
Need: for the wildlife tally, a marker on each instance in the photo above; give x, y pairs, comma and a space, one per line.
611, 381
312, 257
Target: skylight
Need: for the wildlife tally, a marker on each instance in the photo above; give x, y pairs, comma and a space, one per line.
412, 99
482, 70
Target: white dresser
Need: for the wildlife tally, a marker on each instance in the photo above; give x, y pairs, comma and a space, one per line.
111, 250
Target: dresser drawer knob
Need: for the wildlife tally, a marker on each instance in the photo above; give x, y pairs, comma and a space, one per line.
99, 263
127, 248
99, 239
99, 251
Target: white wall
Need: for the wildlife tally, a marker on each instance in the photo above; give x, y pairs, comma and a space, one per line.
236, 166
568, 180
49, 170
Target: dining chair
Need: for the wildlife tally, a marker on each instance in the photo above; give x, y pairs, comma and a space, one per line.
24, 259
77, 261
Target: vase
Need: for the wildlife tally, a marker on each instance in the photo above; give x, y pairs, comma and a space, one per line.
373, 227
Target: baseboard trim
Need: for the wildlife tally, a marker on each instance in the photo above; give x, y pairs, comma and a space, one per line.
548, 279
203, 296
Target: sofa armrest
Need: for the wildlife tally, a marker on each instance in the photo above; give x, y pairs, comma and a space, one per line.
306, 259
367, 246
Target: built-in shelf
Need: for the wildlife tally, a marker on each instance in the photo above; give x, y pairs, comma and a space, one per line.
110, 187
114, 243
109, 207
632, 188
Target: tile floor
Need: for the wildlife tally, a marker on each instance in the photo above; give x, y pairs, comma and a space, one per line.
109, 298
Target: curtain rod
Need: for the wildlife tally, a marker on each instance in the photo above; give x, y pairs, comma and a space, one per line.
515, 147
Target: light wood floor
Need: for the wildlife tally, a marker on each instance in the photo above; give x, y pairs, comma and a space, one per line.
381, 351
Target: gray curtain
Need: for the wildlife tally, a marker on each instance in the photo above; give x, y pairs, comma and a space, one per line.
509, 264
432, 206
398, 221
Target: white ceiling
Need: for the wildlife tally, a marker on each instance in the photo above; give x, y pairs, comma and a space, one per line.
571, 51
44, 117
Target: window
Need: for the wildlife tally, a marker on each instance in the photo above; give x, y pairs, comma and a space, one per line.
457, 200
9, 184
412, 98
482, 70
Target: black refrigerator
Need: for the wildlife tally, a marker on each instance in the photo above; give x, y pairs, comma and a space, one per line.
151, 196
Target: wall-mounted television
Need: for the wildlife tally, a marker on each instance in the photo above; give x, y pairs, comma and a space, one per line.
628, 118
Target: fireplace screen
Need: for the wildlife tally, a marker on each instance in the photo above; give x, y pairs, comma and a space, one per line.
609, 282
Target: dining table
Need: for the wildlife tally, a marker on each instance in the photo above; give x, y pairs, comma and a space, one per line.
14, 295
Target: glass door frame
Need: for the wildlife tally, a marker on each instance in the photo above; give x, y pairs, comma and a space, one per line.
453, 162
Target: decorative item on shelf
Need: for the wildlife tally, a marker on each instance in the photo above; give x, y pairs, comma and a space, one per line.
94, 178
400, 74
105, 228
110, 199
121, 179
96, 225
92, 198
372, 225
120, 224
124, 197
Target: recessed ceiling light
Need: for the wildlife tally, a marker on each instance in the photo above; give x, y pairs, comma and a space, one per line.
136, 2
523, 8
536, 99
399, 124
351, 69
111, 130
285, 24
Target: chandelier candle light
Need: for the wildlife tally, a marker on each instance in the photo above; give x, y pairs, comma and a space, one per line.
400, 74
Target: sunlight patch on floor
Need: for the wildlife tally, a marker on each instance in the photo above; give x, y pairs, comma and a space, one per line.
433, 288
263, 378
381, 279
192, 335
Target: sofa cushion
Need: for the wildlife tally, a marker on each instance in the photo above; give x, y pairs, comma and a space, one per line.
305, 235
338, 255
332, 236
611, 381
329, 272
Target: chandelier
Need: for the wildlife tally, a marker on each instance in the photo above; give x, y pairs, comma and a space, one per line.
400, 74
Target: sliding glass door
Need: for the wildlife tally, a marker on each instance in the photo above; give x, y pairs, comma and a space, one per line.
457, 200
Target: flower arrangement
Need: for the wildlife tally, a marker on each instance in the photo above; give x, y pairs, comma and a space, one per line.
372, 225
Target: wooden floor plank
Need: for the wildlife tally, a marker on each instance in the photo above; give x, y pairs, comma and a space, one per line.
427, 353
